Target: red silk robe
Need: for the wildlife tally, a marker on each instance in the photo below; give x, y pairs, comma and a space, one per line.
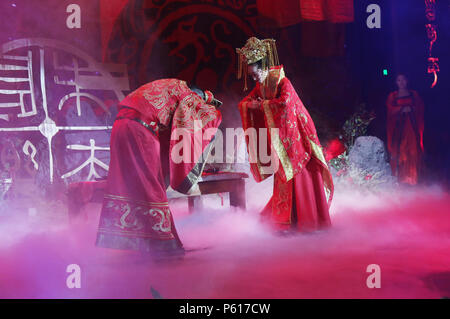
303, 186
405, 136
135, 213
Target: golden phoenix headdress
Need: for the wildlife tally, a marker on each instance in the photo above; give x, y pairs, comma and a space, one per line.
254, 51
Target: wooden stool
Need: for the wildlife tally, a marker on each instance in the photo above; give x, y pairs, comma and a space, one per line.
226, 182
81, 193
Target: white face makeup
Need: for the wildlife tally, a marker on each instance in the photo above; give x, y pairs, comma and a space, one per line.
256, 73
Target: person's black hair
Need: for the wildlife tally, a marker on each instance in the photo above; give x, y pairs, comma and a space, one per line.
197, 90
202, 94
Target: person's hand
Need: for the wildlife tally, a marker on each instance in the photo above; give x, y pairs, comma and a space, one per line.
195, 190
254, 104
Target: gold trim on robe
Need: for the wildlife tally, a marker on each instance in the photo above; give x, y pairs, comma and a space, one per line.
277, 144
269, 91
326, 175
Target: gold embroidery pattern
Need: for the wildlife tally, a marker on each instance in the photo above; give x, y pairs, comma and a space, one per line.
127, 217
303, 118
288, 142
160, 92
282, 200
123, 221
191, 108
164, 224
139, 202
277, 144
161, 95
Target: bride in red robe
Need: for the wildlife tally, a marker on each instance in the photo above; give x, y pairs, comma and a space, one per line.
405, 125
303, 186
135, 213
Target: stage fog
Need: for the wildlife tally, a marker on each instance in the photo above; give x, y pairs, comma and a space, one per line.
404, 232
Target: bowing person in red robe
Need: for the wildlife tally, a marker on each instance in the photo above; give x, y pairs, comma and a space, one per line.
151, 123
303, 186
405, 125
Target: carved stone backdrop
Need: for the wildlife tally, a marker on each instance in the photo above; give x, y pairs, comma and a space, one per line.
55, 111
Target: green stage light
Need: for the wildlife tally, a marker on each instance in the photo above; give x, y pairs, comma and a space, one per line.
385, 72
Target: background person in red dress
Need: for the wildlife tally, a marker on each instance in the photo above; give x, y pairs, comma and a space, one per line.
405, 126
